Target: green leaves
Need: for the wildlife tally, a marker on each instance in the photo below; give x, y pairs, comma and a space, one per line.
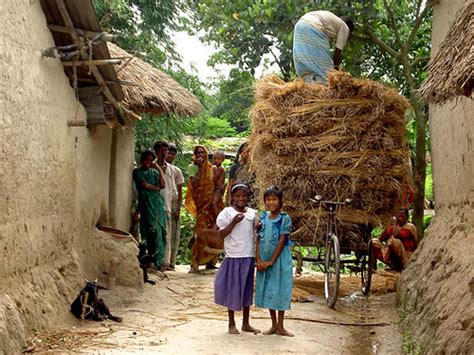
143, 26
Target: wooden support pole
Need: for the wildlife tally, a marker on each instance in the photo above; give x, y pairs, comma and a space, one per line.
91, 62
104, 36
95, 72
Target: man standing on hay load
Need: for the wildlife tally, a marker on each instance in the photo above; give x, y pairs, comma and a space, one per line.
311, 49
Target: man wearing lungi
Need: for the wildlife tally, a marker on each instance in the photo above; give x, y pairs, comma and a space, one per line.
311, 50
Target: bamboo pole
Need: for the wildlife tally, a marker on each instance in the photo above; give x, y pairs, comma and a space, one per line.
104, 36
95, 72
70, 63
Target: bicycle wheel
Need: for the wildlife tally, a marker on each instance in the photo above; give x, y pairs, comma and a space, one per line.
367, 269
331, 271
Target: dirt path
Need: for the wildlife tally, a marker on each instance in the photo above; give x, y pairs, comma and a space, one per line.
178, 316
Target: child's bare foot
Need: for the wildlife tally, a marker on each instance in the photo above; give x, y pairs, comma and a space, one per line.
250, 329
233, 329
282, 331
271, 331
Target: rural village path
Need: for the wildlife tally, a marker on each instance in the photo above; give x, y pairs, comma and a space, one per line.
178, 316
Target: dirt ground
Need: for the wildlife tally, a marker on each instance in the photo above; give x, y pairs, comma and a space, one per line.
178, 316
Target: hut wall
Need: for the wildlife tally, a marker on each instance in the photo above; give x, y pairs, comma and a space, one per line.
121, 164
54, 183
437, 290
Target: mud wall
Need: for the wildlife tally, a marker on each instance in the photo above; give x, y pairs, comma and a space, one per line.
54, 182
437, 290
120, 180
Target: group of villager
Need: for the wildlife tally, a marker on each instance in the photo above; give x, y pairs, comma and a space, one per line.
226, 209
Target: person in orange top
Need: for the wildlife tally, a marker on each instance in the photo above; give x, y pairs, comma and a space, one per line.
199, 198
400, 242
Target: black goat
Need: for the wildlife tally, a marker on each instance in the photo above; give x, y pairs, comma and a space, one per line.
145, 262
88, 306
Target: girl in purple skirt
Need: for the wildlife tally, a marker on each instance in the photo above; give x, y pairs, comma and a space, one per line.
233, 287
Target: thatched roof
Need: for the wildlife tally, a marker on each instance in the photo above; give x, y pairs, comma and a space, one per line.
83, 17
450, 73
152, 91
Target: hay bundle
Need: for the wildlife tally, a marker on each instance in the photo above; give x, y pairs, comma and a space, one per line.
344, 140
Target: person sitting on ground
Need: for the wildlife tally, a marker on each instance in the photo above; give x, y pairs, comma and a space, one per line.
219, 182
149, 182
311, 49
400, 242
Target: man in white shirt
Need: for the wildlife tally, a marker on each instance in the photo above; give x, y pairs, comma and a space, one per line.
161, 150
311, 48
176, 202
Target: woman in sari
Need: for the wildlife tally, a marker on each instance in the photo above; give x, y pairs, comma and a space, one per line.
149, 182
199, 197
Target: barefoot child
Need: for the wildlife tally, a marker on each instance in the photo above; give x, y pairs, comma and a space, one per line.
219, 182
274, 263
233, 287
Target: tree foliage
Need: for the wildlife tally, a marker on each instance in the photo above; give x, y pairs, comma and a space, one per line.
391, 43
234, 98
143, 26
248, 30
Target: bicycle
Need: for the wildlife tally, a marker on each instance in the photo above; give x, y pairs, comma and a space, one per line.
332, 257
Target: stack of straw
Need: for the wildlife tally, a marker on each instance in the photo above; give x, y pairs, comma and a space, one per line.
344, 140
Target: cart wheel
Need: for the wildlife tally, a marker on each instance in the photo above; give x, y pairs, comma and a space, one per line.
331, 271
367, 269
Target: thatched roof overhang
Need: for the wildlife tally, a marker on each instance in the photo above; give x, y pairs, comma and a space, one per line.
450, 73
151, 90
83, 17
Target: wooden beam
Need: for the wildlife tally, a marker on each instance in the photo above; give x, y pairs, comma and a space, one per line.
117, 82
95, 72
76, 123
71, 63
104, 36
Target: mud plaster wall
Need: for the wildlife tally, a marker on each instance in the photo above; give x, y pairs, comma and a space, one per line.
121, 163
437, 290
54, 182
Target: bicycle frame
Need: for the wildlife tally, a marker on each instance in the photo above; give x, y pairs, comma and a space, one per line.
331, 227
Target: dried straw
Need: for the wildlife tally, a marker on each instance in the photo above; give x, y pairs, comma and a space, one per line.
450, 73
60, 340
344, 140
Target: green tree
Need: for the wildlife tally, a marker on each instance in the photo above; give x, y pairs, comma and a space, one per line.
234, 99
143, 26
391, 43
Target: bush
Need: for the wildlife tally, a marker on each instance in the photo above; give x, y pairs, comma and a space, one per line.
187, 228
217, 128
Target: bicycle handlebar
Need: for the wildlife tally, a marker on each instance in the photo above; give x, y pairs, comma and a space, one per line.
347, 201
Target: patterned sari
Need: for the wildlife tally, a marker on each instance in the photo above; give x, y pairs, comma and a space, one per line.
199, 203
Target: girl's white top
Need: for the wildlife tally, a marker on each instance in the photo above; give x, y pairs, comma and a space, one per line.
240, 243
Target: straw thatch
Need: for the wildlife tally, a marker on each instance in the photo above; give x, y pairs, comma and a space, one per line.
153, 91
450, 73
345, 140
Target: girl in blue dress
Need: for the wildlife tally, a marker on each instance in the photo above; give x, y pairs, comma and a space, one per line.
274, 262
